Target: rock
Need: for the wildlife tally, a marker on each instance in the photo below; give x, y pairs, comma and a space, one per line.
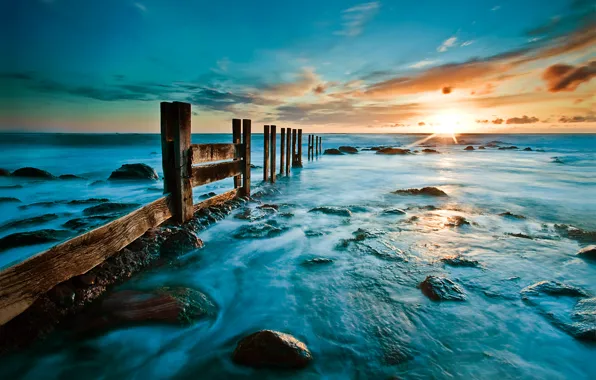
259, 231
29, 172
441, 289
460, 261
70, 176
134, 172
80, 224
588, 252
430, 151
9, 200
21, 239
318, 260
519, 235
469, 147
528, 149
179, 243
85, 280
457, 221
62, 295
481, 147
393, 151
87, 201
575, 233
508, 147
552, 288
269, 205
208, 195
339, 211
271, 349
584, 313
510, 215
10, 187
394, 211
4, 172
29, 221
333, 151
253, 214
109, 207
429, 191
348, 149
375, 148
253, 166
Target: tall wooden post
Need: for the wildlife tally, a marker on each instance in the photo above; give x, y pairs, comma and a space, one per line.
183, 209
316, 147
266, 153
236, 136
282, 151
320, 145
273, 147
308, 149
288, 150
294, 157
246, 137
167, 146
299, 160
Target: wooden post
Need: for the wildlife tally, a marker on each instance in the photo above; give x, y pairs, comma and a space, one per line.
266, 153
308, 149
316, 147
246, 132
236, 135
299, 160
294, 157
320, 145
167, 146
183, 209
273, 147
282, 151
288, 150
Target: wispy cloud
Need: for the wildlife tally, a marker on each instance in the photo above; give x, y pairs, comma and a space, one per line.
448, 43
495, 8
423, 63
467, 43
356, 17
140, 6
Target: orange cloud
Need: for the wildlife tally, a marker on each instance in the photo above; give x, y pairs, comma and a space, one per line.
561, 77
447, 90
522, 120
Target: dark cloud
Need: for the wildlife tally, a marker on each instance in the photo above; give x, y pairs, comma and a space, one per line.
561, 77
482, 121
497, 121
578, 119
422, 124
320, 89
522, 120
447, 90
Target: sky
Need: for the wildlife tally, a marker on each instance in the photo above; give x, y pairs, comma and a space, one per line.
325, 66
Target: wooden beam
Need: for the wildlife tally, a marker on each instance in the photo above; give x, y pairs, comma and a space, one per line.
167, 146
288, 150
246, 137
273, 151
201, 153
204, 174
183, 191
282, 151
265, 153
218, 199
236, 136
22, 284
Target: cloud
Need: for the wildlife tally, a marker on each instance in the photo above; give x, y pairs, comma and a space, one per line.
305, 81
495, 8
467, 43
356, 17
423, 63
140, 6
522, 120
448, 43
320, 89
561, 77
447, 90
422, 124
485, 121
497, 121
591, 118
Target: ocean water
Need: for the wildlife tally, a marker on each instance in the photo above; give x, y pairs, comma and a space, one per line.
362, 316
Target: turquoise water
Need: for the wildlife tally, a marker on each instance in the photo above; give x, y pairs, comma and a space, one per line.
362, 316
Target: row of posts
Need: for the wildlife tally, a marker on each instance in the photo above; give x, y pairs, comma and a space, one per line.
289, 137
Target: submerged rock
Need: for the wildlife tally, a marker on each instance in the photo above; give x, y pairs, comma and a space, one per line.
510, 215
469, 147
29, 172
552, 288
29, 221
481, 147
528, 149
21, 239
259, 231
441, 289
460, 261
339, 211
318, 260
348, 149
588, 252
430, 151
394, 211
457, 221
80, 224
88, 201
69, 176
4, 172
9, 200
109, 207
575, 233
429, 191
179, 243
519, 235
584, 315
393, 151
271, 349
134, 172
508, 147
207, 195
10, 187
333, 151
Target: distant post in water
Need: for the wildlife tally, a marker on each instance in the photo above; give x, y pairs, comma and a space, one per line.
299, 148
266, 153
294, 158
236, 136
246, 136
183, 207
273, 147
309, 146
282, 151
320, 145
288, 150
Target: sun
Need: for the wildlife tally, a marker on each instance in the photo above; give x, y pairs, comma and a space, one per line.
447, 123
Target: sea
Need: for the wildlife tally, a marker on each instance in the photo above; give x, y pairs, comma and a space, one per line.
363, 315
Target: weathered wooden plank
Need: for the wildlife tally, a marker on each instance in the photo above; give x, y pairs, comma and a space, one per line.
22, 284
282, 151
236, 136
265, 153
246, 137
288, 151
204, 174
217, 199
183, 209
273, 149
167, 146
201, 153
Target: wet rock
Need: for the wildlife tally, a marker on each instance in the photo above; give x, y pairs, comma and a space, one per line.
557, 160
313, 233
62, 295
69, 176
457, 221
460, 261
9, 200
441, 289
253, 214
80, 224
588, 252
393, 151
339, 211
4, 172
29, 221
348, 149
575, 233
134, 172
259, 231
584, 315
88, 201
428, 191
271, 349
508, 147
333, 151
552, 288
528, 149
10, 187
21, 239
519, 235
29, 172
394, 211
481, 147
469, 147
253, 166
109, 207
85, 280
207, 195
268, 205
510, 215
427, 150
318, 260
376, 148
179, 243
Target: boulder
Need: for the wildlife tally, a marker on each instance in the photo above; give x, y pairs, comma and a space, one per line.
4, 172
333, 151
29, 172
339, 211
271, 349
21, 239
508, 147
481, 147
441, 289
109, 207
588, 252
510, 215
469, 147
88, 201
457, 221
134, 172
429, 191
460, 261
348, 149
552, 288
179, 243
62, 295
427, 150
29, 221
259, 231
584, 315
394, 211
393, 151
318, 260
528, 149
519, 235
9, 200
576, 233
